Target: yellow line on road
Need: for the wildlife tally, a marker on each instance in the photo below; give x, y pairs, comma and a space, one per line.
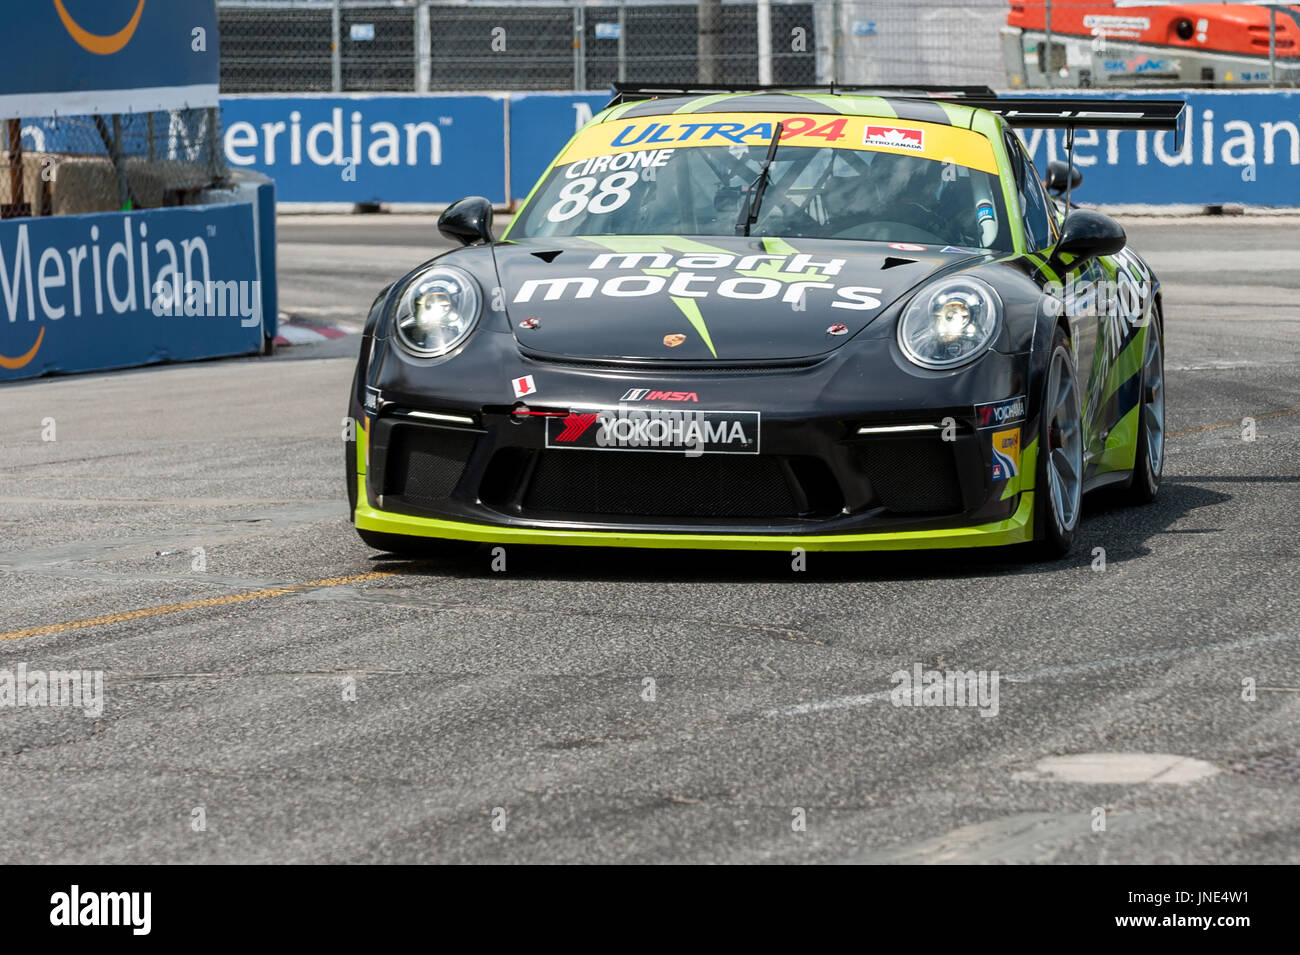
192, 605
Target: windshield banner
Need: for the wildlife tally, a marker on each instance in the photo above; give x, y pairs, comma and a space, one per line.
926, 140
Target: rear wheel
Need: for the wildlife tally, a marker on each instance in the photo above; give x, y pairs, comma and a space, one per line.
1149, 460
406, 546
1058, 497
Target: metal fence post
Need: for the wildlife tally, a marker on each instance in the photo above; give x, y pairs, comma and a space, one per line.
1048, 71
336, 47
622, 41
579, 48
216, 152
763, 25
1272, 45
423, 49
837, 43
119, 163
708, 44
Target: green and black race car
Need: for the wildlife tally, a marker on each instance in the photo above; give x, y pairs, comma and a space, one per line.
769, 320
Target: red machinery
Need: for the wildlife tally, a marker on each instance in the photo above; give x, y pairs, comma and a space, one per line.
1103, 44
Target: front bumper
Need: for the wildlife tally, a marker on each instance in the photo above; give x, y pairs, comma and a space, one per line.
1016, 529
831, 472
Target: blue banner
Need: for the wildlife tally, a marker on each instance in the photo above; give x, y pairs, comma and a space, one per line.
363, 149
112, 290
540, 125
75, 57
1240, 146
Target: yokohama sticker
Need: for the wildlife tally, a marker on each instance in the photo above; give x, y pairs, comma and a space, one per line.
654, 429
997, 413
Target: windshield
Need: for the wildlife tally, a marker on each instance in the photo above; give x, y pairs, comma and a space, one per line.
847, 177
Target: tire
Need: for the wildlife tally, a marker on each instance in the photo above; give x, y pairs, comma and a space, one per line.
350, 451
406, 546
1058, 482
1149, 460
350, 476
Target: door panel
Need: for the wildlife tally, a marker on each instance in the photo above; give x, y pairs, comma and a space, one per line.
1115, 377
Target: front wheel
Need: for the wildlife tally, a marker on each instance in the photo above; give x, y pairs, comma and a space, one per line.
1058, 496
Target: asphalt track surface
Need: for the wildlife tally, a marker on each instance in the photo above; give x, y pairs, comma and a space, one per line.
521, 695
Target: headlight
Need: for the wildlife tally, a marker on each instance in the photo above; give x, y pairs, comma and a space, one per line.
437, 311
949, 323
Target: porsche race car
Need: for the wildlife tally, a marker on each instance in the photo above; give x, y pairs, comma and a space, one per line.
762, 319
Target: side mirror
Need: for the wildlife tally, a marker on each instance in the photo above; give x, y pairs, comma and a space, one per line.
1057, 172
1087, 234
467, 220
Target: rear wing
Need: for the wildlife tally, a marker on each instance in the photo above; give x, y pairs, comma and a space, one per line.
1064, 112
626, 92
1024, 112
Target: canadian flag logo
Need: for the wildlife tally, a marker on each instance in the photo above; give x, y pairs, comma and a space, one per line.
897, 137
523, 386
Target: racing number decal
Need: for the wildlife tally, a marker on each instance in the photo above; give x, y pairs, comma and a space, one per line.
576, 196
806, 125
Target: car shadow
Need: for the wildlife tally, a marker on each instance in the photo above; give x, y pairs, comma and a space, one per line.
1126, 532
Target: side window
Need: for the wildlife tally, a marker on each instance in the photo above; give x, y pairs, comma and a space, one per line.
1039, 226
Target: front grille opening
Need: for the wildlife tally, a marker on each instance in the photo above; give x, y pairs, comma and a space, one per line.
502, 478
654, 485
912, 475
822, 494
425, 464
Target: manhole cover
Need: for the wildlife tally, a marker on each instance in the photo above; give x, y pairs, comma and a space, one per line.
1123, 768
1279, 767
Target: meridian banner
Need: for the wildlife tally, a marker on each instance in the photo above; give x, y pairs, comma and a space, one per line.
79, 57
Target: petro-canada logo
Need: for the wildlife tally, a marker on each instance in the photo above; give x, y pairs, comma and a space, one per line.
895, 136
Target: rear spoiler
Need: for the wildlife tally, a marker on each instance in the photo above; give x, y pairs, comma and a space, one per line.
1063, 112
1024, 112
626, 92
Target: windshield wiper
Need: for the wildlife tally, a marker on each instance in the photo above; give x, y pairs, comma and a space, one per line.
754, 198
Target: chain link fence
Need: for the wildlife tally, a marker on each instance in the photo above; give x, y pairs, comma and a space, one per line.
297, 46
64, 165
920, 41
288, 46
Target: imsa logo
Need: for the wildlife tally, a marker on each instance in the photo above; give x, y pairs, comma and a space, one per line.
649, 394
651, 429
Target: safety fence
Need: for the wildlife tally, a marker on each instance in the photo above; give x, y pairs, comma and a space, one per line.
396, 46
292, 46
65, 165
124, 237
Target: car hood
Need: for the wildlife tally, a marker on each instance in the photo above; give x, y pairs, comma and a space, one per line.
713, 298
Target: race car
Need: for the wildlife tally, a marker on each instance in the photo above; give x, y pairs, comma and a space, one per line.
770, 320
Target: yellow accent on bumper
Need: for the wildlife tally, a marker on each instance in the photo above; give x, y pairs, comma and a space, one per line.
1016, 529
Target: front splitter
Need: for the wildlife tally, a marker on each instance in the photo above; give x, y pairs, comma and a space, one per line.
1016, 529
